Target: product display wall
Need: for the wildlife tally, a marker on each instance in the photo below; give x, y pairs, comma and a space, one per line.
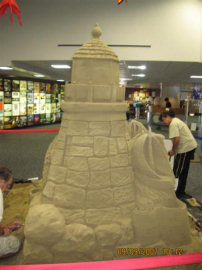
26, 103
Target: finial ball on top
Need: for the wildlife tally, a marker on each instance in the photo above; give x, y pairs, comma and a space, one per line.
97, 31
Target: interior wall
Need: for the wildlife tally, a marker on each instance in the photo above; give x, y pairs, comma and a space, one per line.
172, 28
170, 91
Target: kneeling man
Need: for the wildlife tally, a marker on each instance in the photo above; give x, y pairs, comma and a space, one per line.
9, 244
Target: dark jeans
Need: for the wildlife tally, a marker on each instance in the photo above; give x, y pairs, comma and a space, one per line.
181, 169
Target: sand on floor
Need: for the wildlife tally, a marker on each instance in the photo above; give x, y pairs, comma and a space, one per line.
16, 205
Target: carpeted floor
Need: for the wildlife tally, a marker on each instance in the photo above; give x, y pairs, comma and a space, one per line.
24, 153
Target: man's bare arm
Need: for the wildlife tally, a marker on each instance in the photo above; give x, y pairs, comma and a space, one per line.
176, 142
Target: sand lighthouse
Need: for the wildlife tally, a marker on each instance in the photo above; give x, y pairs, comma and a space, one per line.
90, 202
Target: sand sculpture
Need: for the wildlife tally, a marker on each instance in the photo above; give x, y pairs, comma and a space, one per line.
99, 192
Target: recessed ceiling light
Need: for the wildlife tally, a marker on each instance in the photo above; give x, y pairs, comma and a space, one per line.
196, 76
39, 75
137, 67
125, 79
60, 80
138, 75
6, 68
61, 66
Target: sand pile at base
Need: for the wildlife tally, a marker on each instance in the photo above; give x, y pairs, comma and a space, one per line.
16, 202
16, 205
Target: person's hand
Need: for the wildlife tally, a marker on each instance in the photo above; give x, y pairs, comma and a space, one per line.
5, 230
171, 153
14, 225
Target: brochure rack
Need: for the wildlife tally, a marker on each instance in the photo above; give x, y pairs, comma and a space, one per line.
26, 103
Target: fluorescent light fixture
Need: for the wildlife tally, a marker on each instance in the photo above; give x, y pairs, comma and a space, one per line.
143, 67
125, 79
61, 66
138, 75
6, 68
39, 75
60, 80
196, 76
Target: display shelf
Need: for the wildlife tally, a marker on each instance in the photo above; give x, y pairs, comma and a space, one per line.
25, 103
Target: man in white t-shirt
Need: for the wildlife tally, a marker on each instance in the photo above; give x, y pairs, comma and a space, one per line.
183, 148
9, 244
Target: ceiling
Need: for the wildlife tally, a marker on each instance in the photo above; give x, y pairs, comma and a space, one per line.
155, 72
